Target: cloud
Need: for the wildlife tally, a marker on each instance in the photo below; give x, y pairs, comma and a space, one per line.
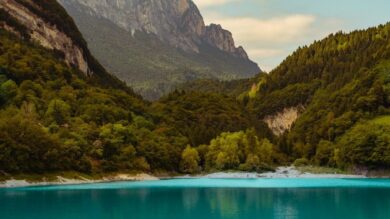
210, 3
274, 30
268, 41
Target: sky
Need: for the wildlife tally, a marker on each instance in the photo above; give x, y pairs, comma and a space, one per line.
270, 30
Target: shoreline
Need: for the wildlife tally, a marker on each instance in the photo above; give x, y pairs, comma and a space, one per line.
60, 180
280, 172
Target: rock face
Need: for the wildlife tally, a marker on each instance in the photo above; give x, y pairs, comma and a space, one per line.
283, 121
177, 22
46, 34
223, 40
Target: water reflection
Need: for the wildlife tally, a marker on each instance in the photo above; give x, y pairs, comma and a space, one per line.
191, 203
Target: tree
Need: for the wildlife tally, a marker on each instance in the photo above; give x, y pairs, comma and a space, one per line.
324, 153
189, 161
252, 163
26, 147
264, 151
366, 144
58, 111
8, 90
224, 151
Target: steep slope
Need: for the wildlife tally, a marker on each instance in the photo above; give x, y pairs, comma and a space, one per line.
321, 91
47, 23
203, 116
155, 45
234, 88
60, 110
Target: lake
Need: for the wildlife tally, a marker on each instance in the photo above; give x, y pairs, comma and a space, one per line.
202, 199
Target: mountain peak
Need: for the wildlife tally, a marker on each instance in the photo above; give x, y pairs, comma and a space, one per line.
177, 22
216, 36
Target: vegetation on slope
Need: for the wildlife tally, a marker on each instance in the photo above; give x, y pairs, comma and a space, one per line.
341, 81
52, 119
232, 88
149, 66
53, 13
203, 116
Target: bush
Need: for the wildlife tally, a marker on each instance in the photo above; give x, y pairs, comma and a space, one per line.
301, 162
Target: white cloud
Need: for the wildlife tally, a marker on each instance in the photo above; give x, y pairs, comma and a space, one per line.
210, 3
275, 30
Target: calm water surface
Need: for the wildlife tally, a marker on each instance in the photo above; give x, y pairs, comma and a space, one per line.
203, 199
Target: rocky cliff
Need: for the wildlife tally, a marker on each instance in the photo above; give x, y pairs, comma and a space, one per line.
157, 45
44, 32
177, 22
223, 40
282, 121
46, 22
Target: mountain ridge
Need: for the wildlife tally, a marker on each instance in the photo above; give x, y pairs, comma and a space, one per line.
156, 45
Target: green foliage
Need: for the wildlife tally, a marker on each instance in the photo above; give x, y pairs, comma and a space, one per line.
13, 23
324, 153
190, 161
339, 81
52, 118
8, 90
366, 144
202, 116
232, 88
239, 150
58, 111
301, 162
53, 13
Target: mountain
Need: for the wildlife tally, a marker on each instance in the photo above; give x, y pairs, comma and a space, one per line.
155, 45
320, 98
47, 23
61, 111
327, 104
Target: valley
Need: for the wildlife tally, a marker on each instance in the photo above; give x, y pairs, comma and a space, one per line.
325, 105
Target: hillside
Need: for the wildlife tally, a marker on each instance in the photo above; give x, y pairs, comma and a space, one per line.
61, 111
156, 45
232, 88
323, 90
327, 104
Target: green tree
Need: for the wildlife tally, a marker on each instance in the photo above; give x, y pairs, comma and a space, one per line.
324, 153
8, 90
58, 111
224, 151
190, 161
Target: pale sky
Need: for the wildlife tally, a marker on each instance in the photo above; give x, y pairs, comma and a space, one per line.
270, 30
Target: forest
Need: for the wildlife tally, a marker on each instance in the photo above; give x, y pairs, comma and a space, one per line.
54, 118
343, 82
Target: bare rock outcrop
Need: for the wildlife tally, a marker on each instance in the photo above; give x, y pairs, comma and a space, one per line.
177, 22
282, 121
46, 34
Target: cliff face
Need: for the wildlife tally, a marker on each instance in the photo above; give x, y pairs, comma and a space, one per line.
45, 33
282, 121
177, 22
223, 40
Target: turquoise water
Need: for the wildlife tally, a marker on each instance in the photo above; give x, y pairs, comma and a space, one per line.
203, 199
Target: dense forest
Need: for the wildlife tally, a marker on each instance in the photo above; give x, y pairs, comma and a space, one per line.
55, 118
343, 82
